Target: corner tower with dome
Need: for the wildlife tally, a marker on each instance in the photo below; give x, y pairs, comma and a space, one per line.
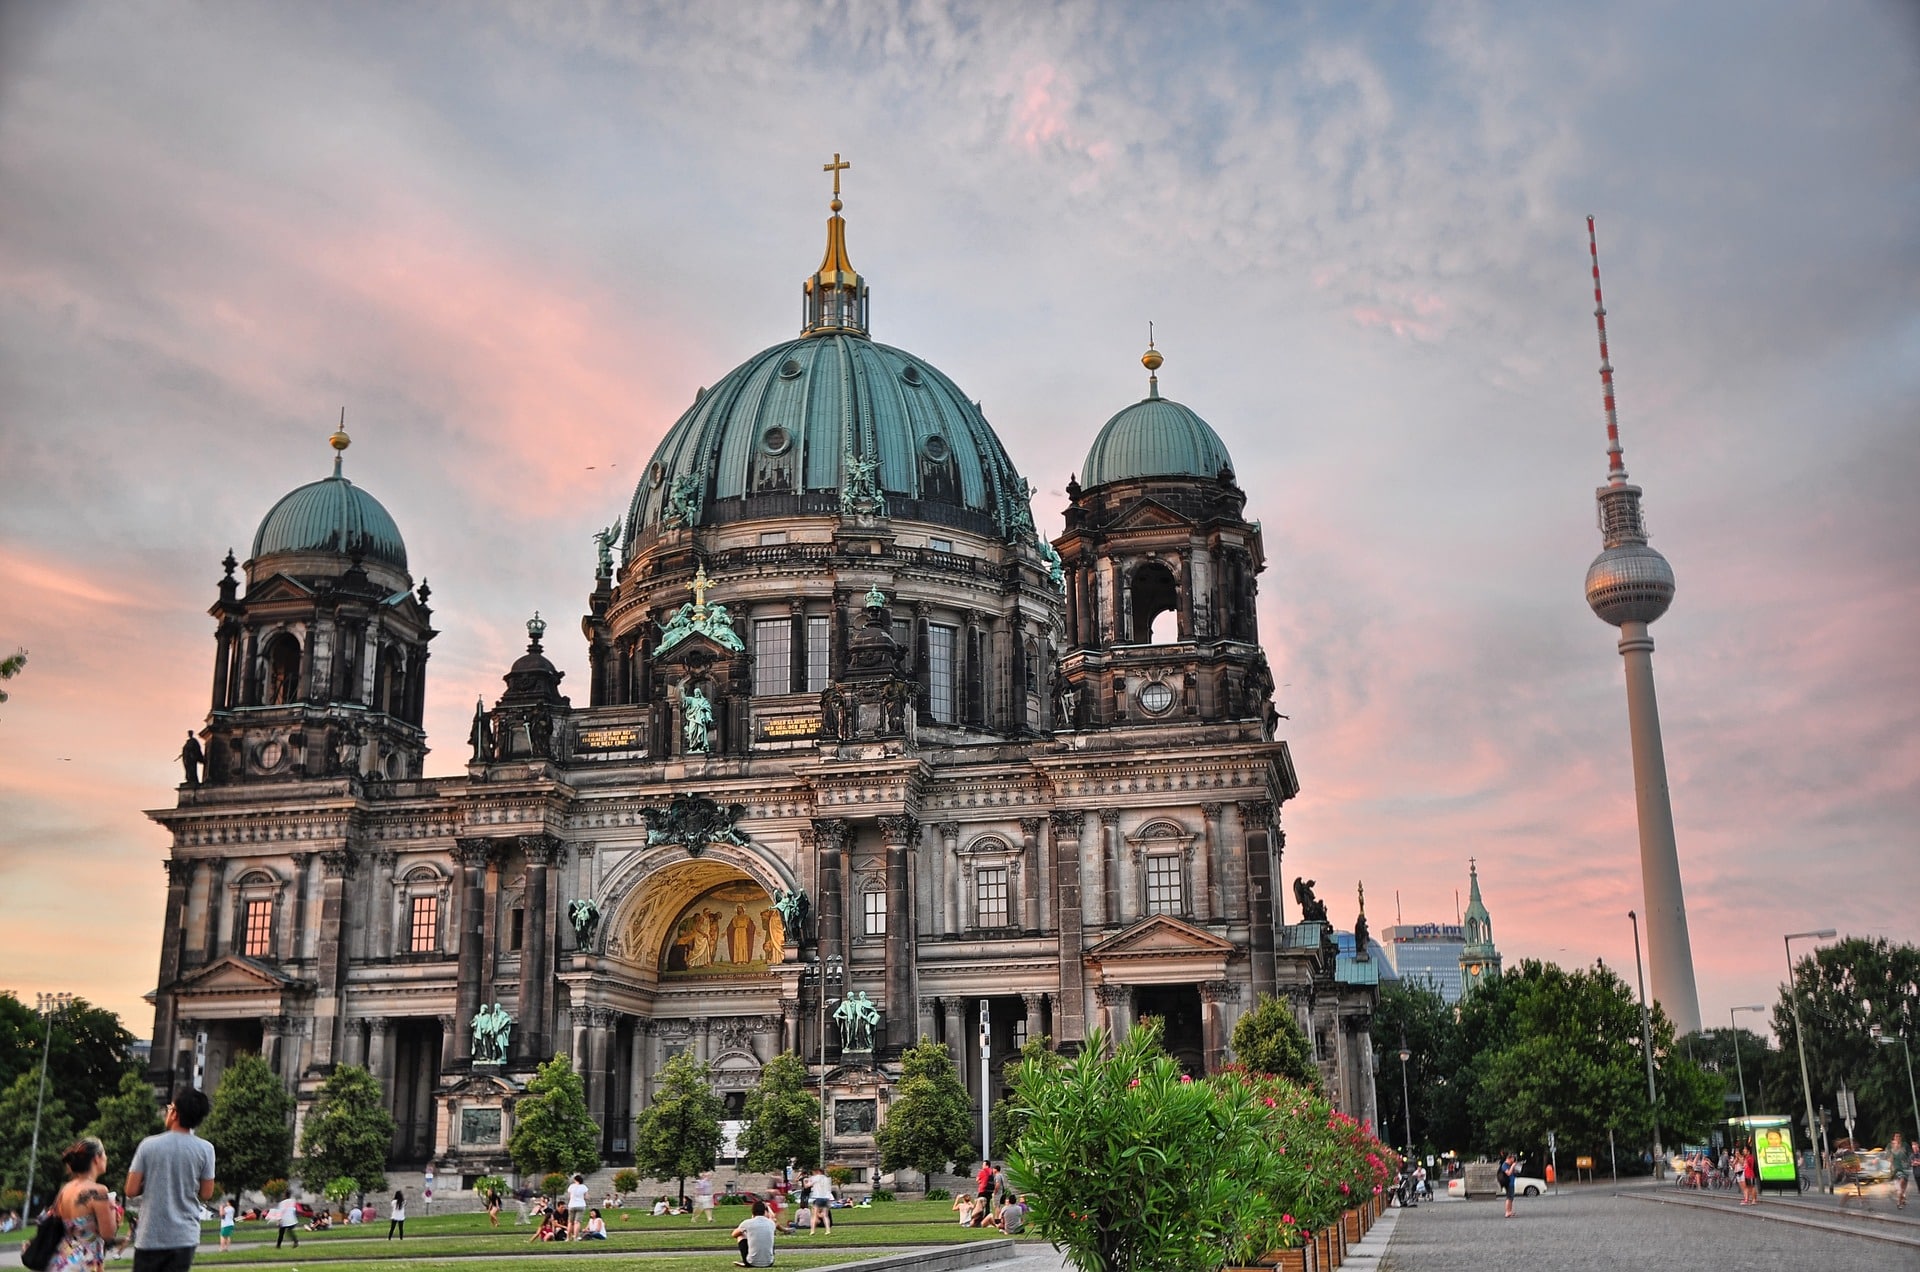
851, 731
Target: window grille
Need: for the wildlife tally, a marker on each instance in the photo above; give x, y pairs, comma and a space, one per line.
940, 672
259, 937
1164, 893
990, 892
817, 647
876, 913
772, 656
424, 928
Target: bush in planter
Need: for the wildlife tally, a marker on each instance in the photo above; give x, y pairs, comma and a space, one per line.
554, 1184
938, 1194
882, 1194
274, 1190
626, 1181
1128, 1163
840, 1175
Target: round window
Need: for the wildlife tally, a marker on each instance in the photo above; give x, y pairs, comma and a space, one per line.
935, 447
789, 369
655, 473
911, 374
776, 440
1155, 697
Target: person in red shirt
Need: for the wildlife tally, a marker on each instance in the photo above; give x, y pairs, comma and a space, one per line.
984, 1181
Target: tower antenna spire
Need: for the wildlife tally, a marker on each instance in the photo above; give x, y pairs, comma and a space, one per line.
340, 441
1616, 465
1152, 361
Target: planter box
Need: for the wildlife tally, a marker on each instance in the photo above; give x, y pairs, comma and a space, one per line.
1278, 1261
1350, 1223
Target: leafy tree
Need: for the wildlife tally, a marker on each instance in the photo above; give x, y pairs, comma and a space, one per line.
552, 1130
1844, 990
626, 1182
1415, 1012
125, 1119
1037, 1062
679, 1134
338, 1190
349, 1131
10, 666
1268, 1040
783, 1117
930, 1122
251, 1126
1714, 1051
89, 1051
16, 1134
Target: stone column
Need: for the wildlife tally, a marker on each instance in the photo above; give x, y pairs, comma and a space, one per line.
536, 957
380, 1055
173, 938
1204, 905
599, 1038
1031, 873
581, 1018
956, 904
1116, 1009
1256, 820
1216, 1031
1111, 884
928, 1021
1069, 1013
273, 1030
448, 1039
385, 897
898, 833
1036, 1005
293, 937
830, 840
789, 1025
954, 1008
472, 855
336, 868
210, 940
355, 1050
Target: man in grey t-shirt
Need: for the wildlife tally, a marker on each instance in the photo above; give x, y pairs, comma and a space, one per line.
172, 1174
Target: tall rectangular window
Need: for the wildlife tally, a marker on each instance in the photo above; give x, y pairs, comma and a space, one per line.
1164, 893
423, 928
940, 672
258, 942
516, 928
772, 656
818, 626
875, 903
990, 893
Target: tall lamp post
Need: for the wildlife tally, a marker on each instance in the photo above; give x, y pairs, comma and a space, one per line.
1800, 1041
51, 1006
1406, 1103
1902, 1040
1646, 1045
827, 968
1738, 1068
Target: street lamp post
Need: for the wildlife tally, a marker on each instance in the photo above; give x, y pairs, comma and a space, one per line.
1646, 1045
1406, 1102
51, 1006
1902, 1040
1739, 1068
827, 968
1800, 1041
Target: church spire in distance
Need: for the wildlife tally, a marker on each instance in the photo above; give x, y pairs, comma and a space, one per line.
834, 298
1630, 585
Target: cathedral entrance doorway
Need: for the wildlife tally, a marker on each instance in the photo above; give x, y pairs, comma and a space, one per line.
1178, 1009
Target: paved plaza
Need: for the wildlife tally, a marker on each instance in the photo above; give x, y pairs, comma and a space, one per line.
1600, 1230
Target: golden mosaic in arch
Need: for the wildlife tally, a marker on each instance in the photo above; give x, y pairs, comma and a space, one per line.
729, 930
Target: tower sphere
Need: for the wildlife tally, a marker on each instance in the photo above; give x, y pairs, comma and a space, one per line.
1631, 583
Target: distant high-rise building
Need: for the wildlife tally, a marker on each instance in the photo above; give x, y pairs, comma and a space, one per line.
1426, 953
1630, 585
1479, 960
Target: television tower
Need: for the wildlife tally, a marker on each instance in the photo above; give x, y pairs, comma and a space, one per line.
1629, 585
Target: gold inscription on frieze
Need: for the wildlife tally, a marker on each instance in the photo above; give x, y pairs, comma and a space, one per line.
610, 739
790, 727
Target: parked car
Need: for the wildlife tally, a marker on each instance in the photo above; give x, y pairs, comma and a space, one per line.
1523, 1185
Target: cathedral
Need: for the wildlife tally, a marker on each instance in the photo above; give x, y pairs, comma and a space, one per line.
863, 760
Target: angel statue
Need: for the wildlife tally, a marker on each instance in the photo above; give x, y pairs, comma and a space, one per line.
585, 917
604, 539
857, 1016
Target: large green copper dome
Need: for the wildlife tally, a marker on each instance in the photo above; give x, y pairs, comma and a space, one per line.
1155, 437
331, 515
777, 436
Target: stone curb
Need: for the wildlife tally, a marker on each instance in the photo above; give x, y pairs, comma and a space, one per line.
1368, 1252
936, 1258
1798, 1220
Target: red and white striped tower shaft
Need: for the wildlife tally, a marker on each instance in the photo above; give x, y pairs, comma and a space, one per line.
1630, 585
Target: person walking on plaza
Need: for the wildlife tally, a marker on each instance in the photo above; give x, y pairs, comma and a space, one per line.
820, 1196
173, 1174
87, 1210
228, 1208
1902, 1154
493, 1207
703, 1197
1508, 1169
397, 1217
288, 1215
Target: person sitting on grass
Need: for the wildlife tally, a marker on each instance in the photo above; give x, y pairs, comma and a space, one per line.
1012, 1216
755, 1235
596, 1229
963, 1206
660, 1206
320, 1222
977, 1217
549, 1230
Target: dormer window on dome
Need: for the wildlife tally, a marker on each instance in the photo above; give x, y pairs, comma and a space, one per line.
835, 297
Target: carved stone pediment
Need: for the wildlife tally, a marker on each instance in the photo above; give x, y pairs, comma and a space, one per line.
237, 975
1146, 514
1158, 936
280, 587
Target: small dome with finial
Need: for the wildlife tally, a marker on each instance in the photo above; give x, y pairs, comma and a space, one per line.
1155, 437
331, 516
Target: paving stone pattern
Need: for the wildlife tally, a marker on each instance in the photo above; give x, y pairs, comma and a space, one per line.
1593, 1230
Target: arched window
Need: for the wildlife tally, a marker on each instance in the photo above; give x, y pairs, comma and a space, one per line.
1156, 603
282, 683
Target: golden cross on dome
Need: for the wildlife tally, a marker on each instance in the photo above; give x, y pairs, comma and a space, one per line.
837, 167
701, 585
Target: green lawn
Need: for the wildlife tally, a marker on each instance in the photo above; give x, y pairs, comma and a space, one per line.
714, 1261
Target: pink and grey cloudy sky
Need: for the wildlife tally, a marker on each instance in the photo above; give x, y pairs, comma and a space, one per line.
513, 240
